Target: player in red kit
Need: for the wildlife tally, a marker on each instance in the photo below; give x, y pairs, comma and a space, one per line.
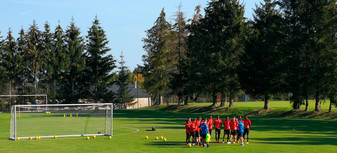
193, 131
188, 131
227, 127
234, 129
198, 122
210, 125
217, 123
247, 123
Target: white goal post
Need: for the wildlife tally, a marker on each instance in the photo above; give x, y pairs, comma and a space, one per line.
61, 120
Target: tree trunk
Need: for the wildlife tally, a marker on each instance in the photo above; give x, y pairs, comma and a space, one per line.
186, 100
332, 101
266, 102
10, 90
223, 101
179, 99
54, 90
317, 105
230, 100
306, 103
161, 100
72, 91
214, 99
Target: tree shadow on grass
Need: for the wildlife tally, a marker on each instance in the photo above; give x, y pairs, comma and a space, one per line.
300, 140
168, 144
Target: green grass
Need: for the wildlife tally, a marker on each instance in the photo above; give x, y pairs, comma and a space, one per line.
268, 134
279, 109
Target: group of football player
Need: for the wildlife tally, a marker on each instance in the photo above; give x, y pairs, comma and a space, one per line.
235, 130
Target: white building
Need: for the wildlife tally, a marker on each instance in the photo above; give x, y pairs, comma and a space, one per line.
140, 98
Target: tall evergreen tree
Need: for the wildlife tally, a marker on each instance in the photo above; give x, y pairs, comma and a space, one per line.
10, 61
309, 36
23, 77
35, 54
216, 46
193, 83
156, 68
47, 67
59, 62
295, 53
2, 69
74, 50
178, 80
99, 65
259, 68
122, 82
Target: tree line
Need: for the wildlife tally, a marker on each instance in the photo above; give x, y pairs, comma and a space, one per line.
288, 47
63, 64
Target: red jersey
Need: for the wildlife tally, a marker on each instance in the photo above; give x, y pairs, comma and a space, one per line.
217, 123
197, 124
227, 124
210, 124
188, 127
192, 127
234, 125
247, 123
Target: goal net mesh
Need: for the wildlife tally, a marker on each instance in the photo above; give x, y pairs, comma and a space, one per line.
62, 120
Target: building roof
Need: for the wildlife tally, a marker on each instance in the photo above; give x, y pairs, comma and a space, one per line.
132, 91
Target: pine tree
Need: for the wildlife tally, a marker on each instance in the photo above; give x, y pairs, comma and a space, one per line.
292, 50
34, 54
123, 82
2, 68
309, 36
325, 60
193, 83
216, 44
99, 65
74, 50
157, 66
10, 61
23, 77
259, 68
59, 62
178, 80
47, 67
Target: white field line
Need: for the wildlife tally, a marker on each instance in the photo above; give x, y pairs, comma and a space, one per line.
137, 130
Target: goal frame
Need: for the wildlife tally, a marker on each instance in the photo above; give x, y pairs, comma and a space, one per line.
13, 131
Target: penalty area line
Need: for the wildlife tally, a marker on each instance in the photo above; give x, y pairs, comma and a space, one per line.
137, 130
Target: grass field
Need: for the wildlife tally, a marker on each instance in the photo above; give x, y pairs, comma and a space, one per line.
268, 134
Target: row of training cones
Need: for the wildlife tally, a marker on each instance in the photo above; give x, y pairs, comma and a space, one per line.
156, 138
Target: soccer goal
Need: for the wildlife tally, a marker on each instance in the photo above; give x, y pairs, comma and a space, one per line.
61, 120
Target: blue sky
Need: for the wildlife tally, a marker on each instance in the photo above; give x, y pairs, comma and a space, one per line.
125, 22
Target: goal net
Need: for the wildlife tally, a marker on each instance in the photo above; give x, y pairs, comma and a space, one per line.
61, 120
